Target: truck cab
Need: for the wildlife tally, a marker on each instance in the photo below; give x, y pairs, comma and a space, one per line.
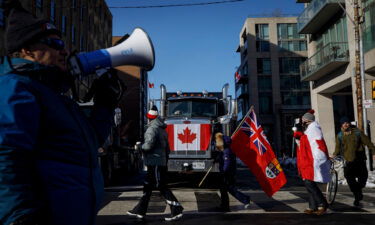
192, 120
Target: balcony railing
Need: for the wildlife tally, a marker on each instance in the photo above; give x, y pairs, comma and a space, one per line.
316, 14
369, 38
330, 57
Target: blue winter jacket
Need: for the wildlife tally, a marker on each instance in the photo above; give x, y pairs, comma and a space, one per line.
48, 149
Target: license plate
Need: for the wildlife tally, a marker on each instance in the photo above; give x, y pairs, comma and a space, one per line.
199, 165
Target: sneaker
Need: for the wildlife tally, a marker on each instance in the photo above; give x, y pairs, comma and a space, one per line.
320, 211
247, 206
134, 214
176, 214
309, 211
356, 203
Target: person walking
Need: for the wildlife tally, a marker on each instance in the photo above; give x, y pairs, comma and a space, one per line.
156, 149
350, 142
227, 167
49, 173
312, 162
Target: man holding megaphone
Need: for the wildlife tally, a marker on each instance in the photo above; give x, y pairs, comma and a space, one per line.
49, 173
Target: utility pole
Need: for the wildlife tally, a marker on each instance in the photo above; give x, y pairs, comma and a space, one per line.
358, 66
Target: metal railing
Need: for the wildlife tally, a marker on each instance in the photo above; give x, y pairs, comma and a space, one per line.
311, 10
331, 52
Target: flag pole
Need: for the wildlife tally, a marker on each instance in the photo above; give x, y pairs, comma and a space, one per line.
243, 119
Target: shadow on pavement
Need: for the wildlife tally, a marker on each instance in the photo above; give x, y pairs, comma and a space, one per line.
253, 219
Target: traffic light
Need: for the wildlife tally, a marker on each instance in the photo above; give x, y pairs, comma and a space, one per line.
373, 90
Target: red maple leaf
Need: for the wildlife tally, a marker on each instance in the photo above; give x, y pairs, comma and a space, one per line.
187, 136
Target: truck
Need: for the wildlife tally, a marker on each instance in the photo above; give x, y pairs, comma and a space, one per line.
192, 120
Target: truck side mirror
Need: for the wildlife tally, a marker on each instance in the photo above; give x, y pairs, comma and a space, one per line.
225, 119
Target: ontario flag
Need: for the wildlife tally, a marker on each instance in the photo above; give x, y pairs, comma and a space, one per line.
250, 144
188, 136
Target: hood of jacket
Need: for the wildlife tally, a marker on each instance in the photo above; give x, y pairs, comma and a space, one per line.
50, 76
157, 122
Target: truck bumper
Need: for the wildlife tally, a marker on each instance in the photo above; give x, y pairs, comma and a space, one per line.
192, 165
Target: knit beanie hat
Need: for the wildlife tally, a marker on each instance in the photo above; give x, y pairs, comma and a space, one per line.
309, 115
23, 28
152, 113
344, 119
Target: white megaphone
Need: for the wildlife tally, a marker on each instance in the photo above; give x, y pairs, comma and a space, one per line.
137, 50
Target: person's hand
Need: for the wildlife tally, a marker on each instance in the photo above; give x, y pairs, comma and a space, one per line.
294, 129
108, 90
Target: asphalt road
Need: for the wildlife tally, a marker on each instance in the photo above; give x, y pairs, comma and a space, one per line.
285, 208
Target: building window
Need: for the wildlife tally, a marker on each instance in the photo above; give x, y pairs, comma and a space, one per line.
244, 70
265, 103
39, 5
74, 4
292, 82
52, 12
264, 83
264, 66
295, 98
262, 38
288, 31
73, 34
1, 17
262, 46
337, 32
292, 45
261, 31
289, 39
63, 25
290, 65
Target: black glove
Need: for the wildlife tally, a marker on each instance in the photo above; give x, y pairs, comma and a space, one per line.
107, 90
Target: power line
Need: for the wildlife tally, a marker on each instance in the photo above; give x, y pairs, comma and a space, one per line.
174, 5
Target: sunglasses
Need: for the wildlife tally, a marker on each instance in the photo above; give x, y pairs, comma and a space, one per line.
54, 43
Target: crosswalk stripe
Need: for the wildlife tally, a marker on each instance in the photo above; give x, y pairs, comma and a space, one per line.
290, 199
205, 201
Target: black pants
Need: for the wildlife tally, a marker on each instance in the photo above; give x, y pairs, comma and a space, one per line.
228, 185
356, 175
156, 179
316, 198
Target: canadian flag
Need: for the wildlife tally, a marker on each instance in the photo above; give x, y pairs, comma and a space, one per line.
184, 137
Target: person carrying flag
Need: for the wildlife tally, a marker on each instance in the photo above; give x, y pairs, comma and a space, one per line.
312, 162
227, 166
250, 144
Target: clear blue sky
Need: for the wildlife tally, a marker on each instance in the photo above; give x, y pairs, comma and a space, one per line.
194, 46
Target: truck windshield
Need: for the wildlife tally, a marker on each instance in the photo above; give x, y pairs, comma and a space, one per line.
192, 108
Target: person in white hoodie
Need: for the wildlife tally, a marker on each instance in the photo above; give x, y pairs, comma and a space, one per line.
313, 162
